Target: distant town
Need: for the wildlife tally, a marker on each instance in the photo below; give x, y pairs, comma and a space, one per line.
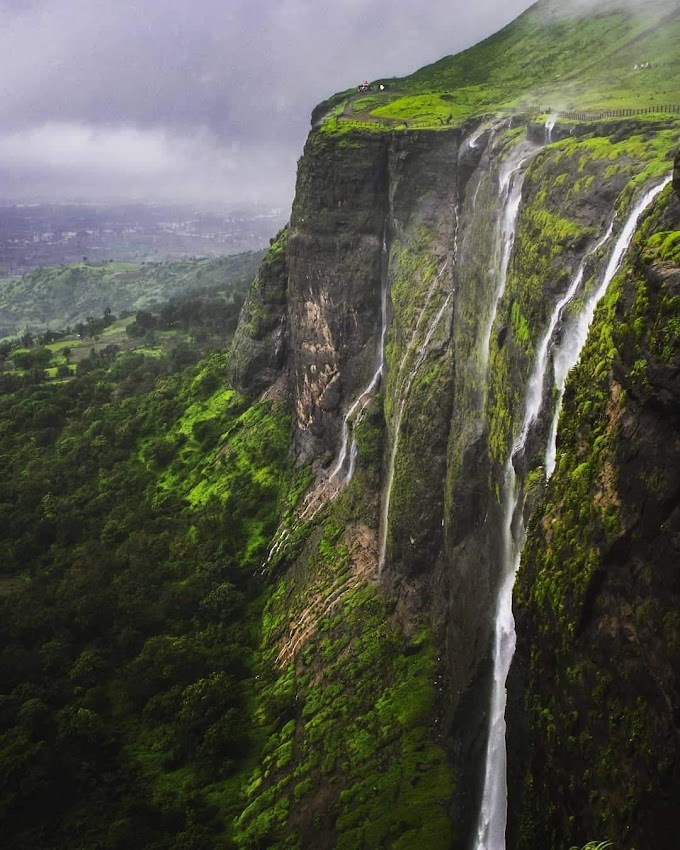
39, 235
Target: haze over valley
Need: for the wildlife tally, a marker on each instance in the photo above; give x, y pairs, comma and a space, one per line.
35, 235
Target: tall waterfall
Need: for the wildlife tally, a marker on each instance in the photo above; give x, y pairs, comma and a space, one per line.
493, 812
568, 352
511, 180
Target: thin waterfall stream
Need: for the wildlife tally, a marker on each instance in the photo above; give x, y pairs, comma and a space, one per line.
356, 411
341, 474
493, 810
549, 127
567, 353
510, 183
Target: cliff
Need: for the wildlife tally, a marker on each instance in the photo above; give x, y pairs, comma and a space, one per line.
438, 283
597, 594
398, 570
427, 219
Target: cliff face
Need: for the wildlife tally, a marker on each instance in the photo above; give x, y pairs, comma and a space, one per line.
337, 230
599, 588
426, 280
360, 201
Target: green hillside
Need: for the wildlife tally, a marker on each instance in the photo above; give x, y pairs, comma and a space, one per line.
546, 58
131, 732
59, 297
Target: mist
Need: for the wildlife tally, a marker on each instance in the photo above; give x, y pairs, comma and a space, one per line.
571, 8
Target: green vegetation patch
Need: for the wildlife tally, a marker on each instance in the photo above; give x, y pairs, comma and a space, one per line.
554, 227
356, 728
347, 708
130, 615
426, 109
569, 62
56, 298
592, 573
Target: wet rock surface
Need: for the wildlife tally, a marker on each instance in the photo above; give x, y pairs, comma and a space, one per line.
594, 687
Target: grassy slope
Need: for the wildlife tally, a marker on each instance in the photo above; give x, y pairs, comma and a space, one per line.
350, 756
538, 61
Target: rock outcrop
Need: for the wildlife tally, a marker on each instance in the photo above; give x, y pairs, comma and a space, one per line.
258, 354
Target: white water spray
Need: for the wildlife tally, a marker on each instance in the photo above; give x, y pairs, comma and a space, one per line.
550, 126
485, 127
510, 184
534, 400
473, 138
493, 812
567, 354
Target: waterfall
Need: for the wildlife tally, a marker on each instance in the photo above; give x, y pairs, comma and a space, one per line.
328, 487
485, 127
492, 818
356, 411
568, 352
493, 811
510, 184
549, 126
537, 378
473, 138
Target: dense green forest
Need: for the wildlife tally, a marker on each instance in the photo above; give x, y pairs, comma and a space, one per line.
136, 501
193, 323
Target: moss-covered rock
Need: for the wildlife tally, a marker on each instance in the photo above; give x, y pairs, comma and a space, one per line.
259, 347
599, 644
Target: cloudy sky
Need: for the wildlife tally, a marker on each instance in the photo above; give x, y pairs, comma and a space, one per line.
197, 100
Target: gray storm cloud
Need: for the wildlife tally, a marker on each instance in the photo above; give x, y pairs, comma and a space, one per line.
211, 99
